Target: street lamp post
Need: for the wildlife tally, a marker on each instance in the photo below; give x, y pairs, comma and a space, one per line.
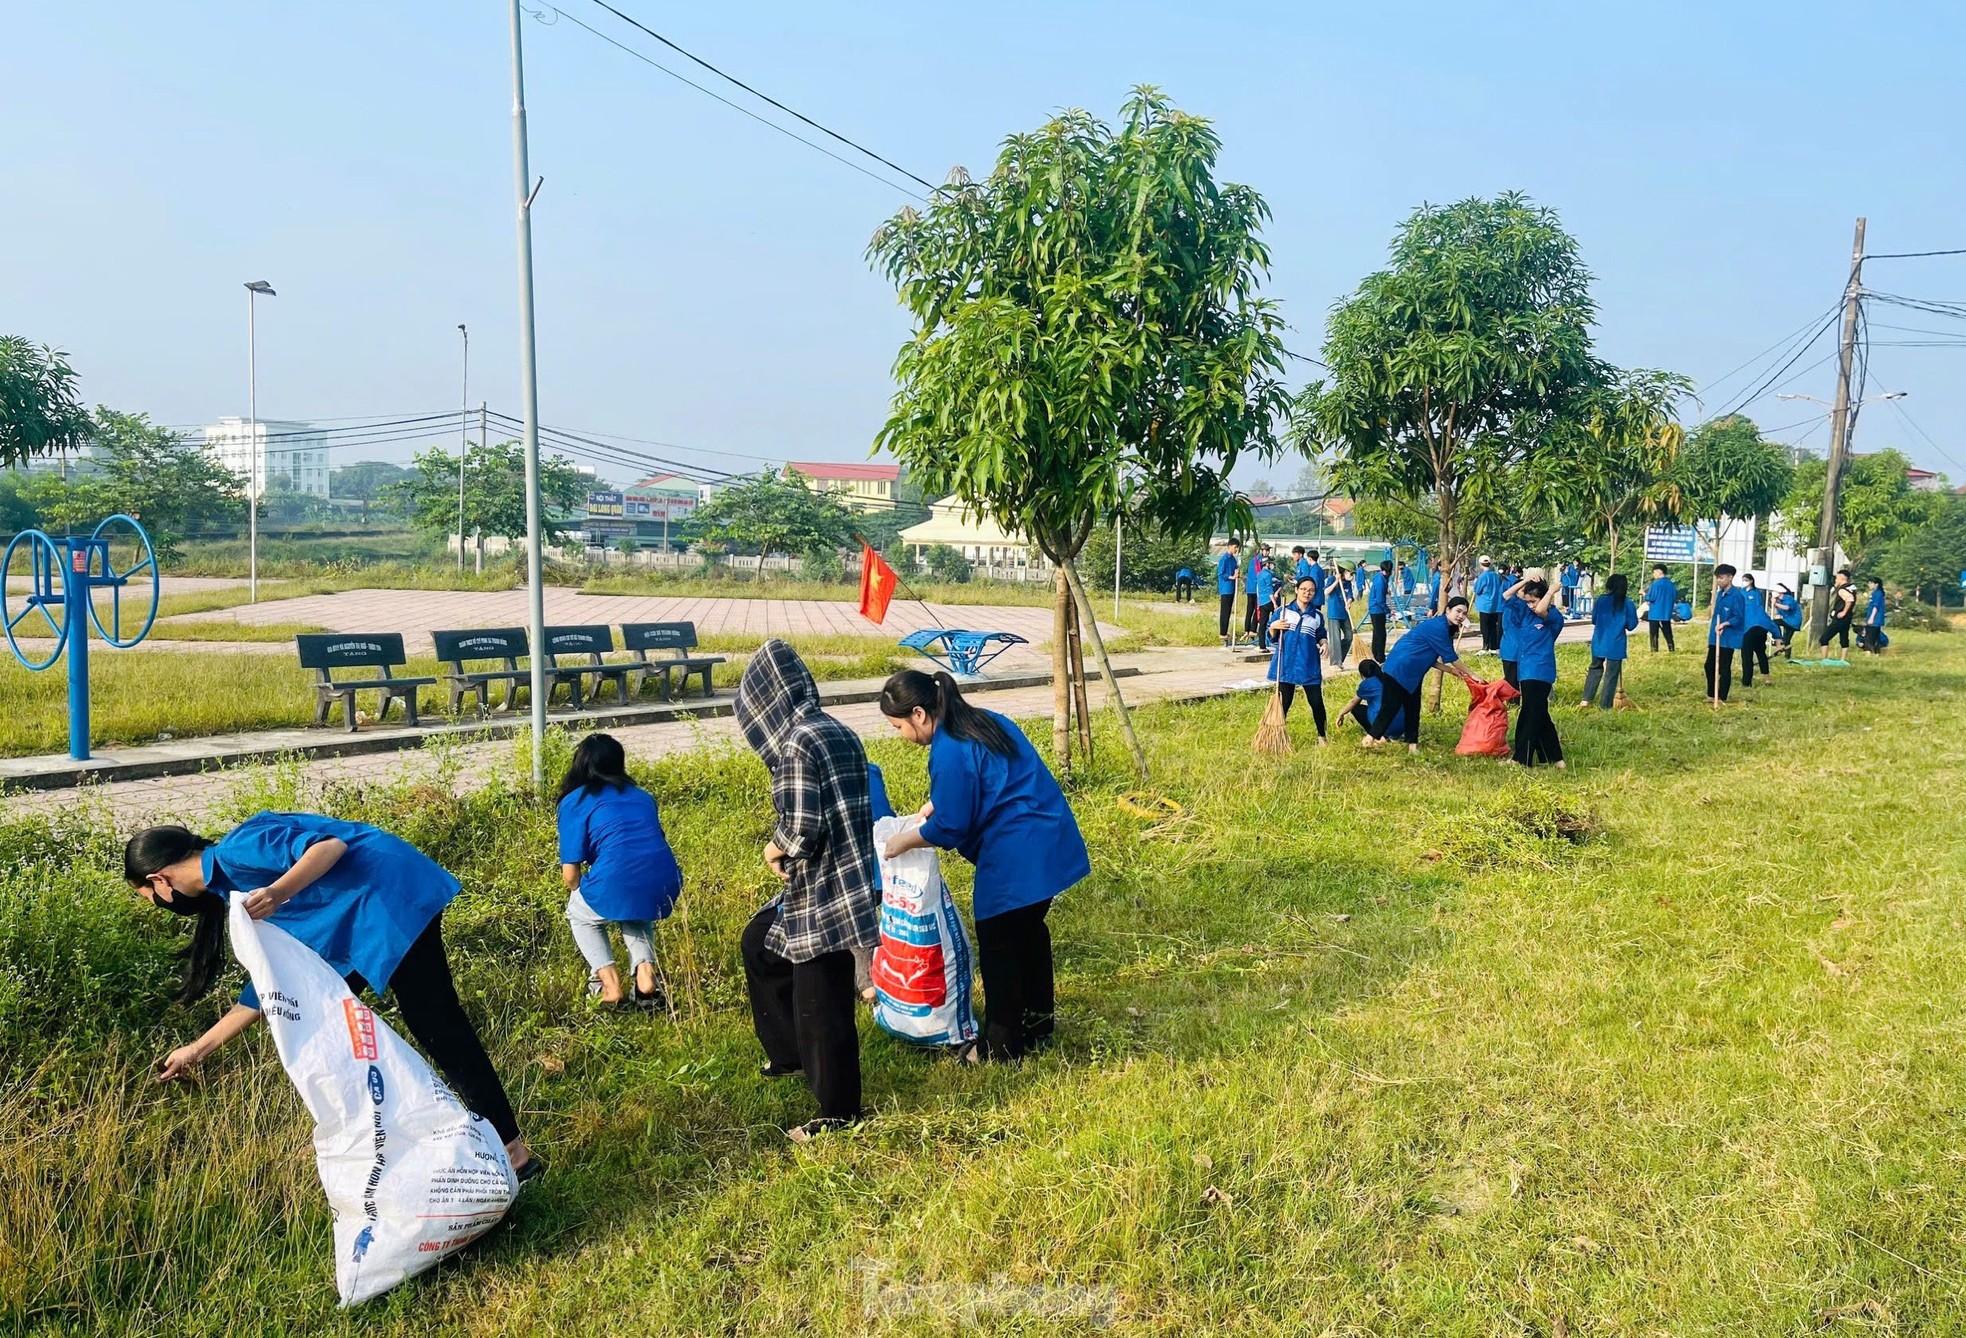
254, 291
529, 394
463, 442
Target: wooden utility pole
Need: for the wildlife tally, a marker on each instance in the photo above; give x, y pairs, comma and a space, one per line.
1839, 441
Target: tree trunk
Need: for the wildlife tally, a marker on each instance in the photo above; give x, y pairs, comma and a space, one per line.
1450, 561
1090, 624
1614, 548
1061, 674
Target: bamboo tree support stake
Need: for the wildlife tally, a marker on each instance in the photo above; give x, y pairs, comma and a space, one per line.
1106, 668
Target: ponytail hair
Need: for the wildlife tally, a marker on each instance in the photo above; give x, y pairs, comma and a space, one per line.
599, 763
150, 852
943, 702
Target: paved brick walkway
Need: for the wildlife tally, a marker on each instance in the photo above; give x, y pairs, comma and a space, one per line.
415, 613
1184, 673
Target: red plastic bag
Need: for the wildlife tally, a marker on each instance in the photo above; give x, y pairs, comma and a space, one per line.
1487, 732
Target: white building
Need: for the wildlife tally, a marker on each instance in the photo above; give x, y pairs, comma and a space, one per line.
977, 538
295, 455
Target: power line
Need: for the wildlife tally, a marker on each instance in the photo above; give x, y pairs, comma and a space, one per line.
1771, 382
1781, 343
1914, 255
764, 97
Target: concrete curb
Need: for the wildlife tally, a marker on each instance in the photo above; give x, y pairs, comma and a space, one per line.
192, 757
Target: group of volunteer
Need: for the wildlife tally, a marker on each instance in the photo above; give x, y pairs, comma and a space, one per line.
371, 905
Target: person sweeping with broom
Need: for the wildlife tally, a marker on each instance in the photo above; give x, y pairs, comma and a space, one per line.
1297, 662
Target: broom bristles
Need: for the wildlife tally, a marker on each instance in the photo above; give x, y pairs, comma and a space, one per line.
1272, 736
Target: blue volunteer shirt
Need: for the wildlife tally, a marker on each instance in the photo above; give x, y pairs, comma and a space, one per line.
1568, 580
1535, 640
877, 793
1512, 614
1788, 610
1488, 588
631, 873
362, 915
1414, 654
1433, 591
1300, 637
1372, 692
1874, 612
1316, 573
1660, 596
1225, 574
1184, 575
1729, 607
1005, 815
1304, 568
1334, 601
1757, 611
1264, 584
1609, 626
1375, 598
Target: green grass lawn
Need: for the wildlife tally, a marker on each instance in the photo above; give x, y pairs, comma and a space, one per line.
1357, 1044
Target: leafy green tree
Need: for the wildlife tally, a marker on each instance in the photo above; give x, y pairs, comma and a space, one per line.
16, 513
774, 512
494, 491
947, 564
1728, 469
1875, 503
1460, 373
1086, 313
1623, 466
1928, 556
1148, 561
369, 482
145, 471
40, 412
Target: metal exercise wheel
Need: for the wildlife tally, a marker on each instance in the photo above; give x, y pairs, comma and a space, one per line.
47, 589
143, 571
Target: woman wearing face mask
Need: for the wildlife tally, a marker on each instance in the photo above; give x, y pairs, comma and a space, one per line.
369, 903
992, 800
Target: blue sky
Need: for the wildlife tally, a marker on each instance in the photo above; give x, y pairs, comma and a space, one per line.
701, 278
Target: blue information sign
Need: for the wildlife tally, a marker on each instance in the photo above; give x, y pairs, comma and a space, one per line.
1669, 543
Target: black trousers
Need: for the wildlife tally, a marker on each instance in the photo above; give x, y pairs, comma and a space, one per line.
1392, 696
1754, 646
1491, 631
803, 1014
1313, 693
1721, 658
1511, 674
1013, 954
1871, 639
1535, 731
1358, 713
1379, 637
1840, 629
1339, 642
1252, 619
427, 999
1228, 608
1660, 625
1184, 591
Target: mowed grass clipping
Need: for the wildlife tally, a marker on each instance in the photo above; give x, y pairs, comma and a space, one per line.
1357, 1043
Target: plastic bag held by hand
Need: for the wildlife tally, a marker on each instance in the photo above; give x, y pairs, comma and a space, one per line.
921, 968
411, 1175
1487, 732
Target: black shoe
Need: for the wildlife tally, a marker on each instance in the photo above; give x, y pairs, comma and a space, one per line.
773, 1071
655, 1001
531, 1171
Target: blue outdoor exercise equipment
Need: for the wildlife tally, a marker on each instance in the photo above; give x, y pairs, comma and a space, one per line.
963, 651
64, 572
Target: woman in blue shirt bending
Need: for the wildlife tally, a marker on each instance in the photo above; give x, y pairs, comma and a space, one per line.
1613, 618
1536, 625
371, 904
992, 801
618, 870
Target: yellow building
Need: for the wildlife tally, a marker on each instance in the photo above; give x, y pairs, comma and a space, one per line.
859, 487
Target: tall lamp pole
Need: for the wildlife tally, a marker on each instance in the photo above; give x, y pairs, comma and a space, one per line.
1839, 439
463, 442
529, 386
254, 291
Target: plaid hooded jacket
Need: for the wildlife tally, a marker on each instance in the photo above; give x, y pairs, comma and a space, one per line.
825, 823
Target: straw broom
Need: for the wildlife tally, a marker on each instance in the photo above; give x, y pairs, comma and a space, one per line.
1272, 736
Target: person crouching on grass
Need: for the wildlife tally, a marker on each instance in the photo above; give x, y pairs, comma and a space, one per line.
992, 800
618, 870
798, 950
369, 903
1412, 658
1364, 704
1298, 662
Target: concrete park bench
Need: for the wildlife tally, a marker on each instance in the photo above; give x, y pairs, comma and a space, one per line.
587, 647
678, 640
370, 654
502, 647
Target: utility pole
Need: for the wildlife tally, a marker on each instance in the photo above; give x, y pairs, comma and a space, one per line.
1839, 442
463, 442
529, 385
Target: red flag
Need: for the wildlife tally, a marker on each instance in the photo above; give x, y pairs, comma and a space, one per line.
877, 581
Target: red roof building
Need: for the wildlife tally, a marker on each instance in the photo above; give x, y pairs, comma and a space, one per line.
859, 486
